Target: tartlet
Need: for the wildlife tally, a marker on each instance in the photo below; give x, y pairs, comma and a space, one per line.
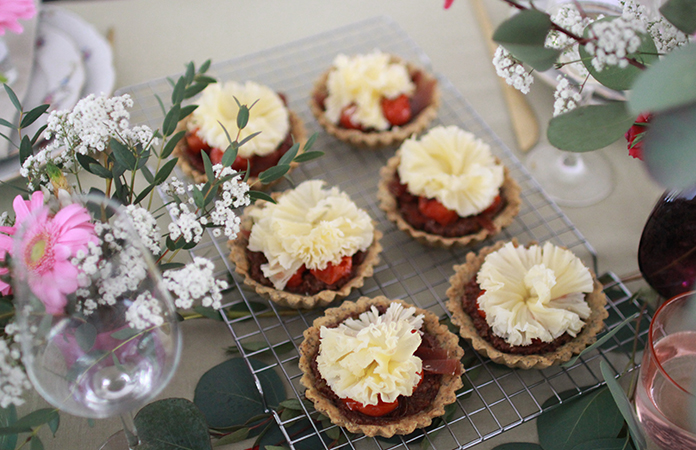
189, 147
464, 283
403, 207
444, 394
424, 102
349, 229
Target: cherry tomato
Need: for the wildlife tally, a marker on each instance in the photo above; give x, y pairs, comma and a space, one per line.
296, 279
377, 410
347, 118
397, 110
435, 210
333, 273
240, 164
216, 155
195, 143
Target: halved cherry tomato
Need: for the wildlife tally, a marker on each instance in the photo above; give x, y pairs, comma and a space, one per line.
195, 143
494, 205
435, 210
239, 164
347, 121
216, 155
377, 410
334, 272
397, 110
296, 279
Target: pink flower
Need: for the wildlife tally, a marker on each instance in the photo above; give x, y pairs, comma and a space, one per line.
11, 11
634, 135
47, 247
448, 3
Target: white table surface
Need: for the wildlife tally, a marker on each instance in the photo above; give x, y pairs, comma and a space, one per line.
155, 38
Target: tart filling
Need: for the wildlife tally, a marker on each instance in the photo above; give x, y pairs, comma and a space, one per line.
382, 366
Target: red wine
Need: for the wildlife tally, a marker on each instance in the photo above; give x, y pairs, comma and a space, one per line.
667, 250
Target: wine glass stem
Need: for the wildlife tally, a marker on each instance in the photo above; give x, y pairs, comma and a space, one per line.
129, 430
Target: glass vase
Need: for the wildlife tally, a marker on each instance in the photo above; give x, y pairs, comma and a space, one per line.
8, 71
667, 249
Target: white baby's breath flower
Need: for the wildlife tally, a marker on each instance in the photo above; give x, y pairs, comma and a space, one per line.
567, 96
145, 227
144, 312
13, 379
614, 41
195, 283
512, 70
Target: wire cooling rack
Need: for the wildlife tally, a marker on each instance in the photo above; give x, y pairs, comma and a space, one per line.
494, 398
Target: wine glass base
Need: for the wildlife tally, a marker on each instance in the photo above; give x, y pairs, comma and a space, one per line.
116, 441
571, 179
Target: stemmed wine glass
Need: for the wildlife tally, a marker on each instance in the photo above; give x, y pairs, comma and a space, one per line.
98, 329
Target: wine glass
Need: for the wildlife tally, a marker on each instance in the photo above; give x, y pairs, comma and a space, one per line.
97, 328
665, 400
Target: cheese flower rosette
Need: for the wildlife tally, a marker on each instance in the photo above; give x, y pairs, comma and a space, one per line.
363, 81
218, 109
308, 226
534, 293
452, 166
372, 357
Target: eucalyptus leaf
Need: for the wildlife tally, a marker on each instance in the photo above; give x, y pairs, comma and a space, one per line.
100, 171
229, 156
25, 149
86, 336
171, 143
7, 123
289, 155
589, 127
242, 307
38, 133
86, 161
624, 405
248, 138
35, 443
605, 444
592, 416
144, 193
236, 436
8, 416
172, 423
164, 172
122, 154
208, 312
147, 174
204, 67
37, 418
186, 110
208, 165
524, 36
308, 156
13, 98
227, 395
194, 89
668, 84
124, 333
668, 147
258, 195
171, 120
310, 141
190, 72
31, 116
179, 91
274, 173
54, 424
681, 14
242, 116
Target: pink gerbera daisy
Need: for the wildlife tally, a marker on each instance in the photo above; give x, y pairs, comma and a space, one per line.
11, 11
48, 244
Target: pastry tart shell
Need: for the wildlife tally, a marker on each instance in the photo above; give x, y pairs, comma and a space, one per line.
465, 272
448, 386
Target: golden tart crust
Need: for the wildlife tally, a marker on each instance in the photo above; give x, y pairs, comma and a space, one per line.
510, 190
449, 384
238, 256
297, 130
597, 301
379, 139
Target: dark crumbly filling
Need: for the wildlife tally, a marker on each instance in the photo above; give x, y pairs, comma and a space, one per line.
310, 284
463, 226
422, 397
469, 301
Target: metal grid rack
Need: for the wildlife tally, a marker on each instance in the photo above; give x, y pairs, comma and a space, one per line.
495, 398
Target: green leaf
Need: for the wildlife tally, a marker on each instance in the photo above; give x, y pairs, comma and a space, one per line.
298, 430
6, 123
144, 193
37, 418
172, 423
615, 77
171, 143
624, 404
681, 14
163, 267
8, 416
524, 36
274, 173
204, 67
229, 156
670, 83
100, 171
54, 424
38, 133
233, 437
13, 98
668, 147
518, 446
592, 416
258, 195
194, 89
242, 116
227, 395
589, 127
190, 72
124, 333
601, 340
208, 166
208, 312
171, 120
289, 155
248, 138
147, 174
86, 161
36, 443
122, 154
86, 336
308, 156
179, 90
25, 149
310, 141
605, 444
165, 171
32, 115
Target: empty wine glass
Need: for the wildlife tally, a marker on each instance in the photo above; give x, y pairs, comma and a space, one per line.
98, 329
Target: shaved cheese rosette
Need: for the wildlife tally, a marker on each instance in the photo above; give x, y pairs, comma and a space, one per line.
534, 293
452, 166
218, 108
363, 80
372, 356
308, 226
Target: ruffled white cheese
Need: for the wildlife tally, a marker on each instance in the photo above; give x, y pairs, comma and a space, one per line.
217, 108
535, 292
363, 80
452, 166
311, 226
372, 356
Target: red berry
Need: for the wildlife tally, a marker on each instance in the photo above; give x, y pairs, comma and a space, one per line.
377, 410
397, 110
435, 210
333, 273
347, 118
